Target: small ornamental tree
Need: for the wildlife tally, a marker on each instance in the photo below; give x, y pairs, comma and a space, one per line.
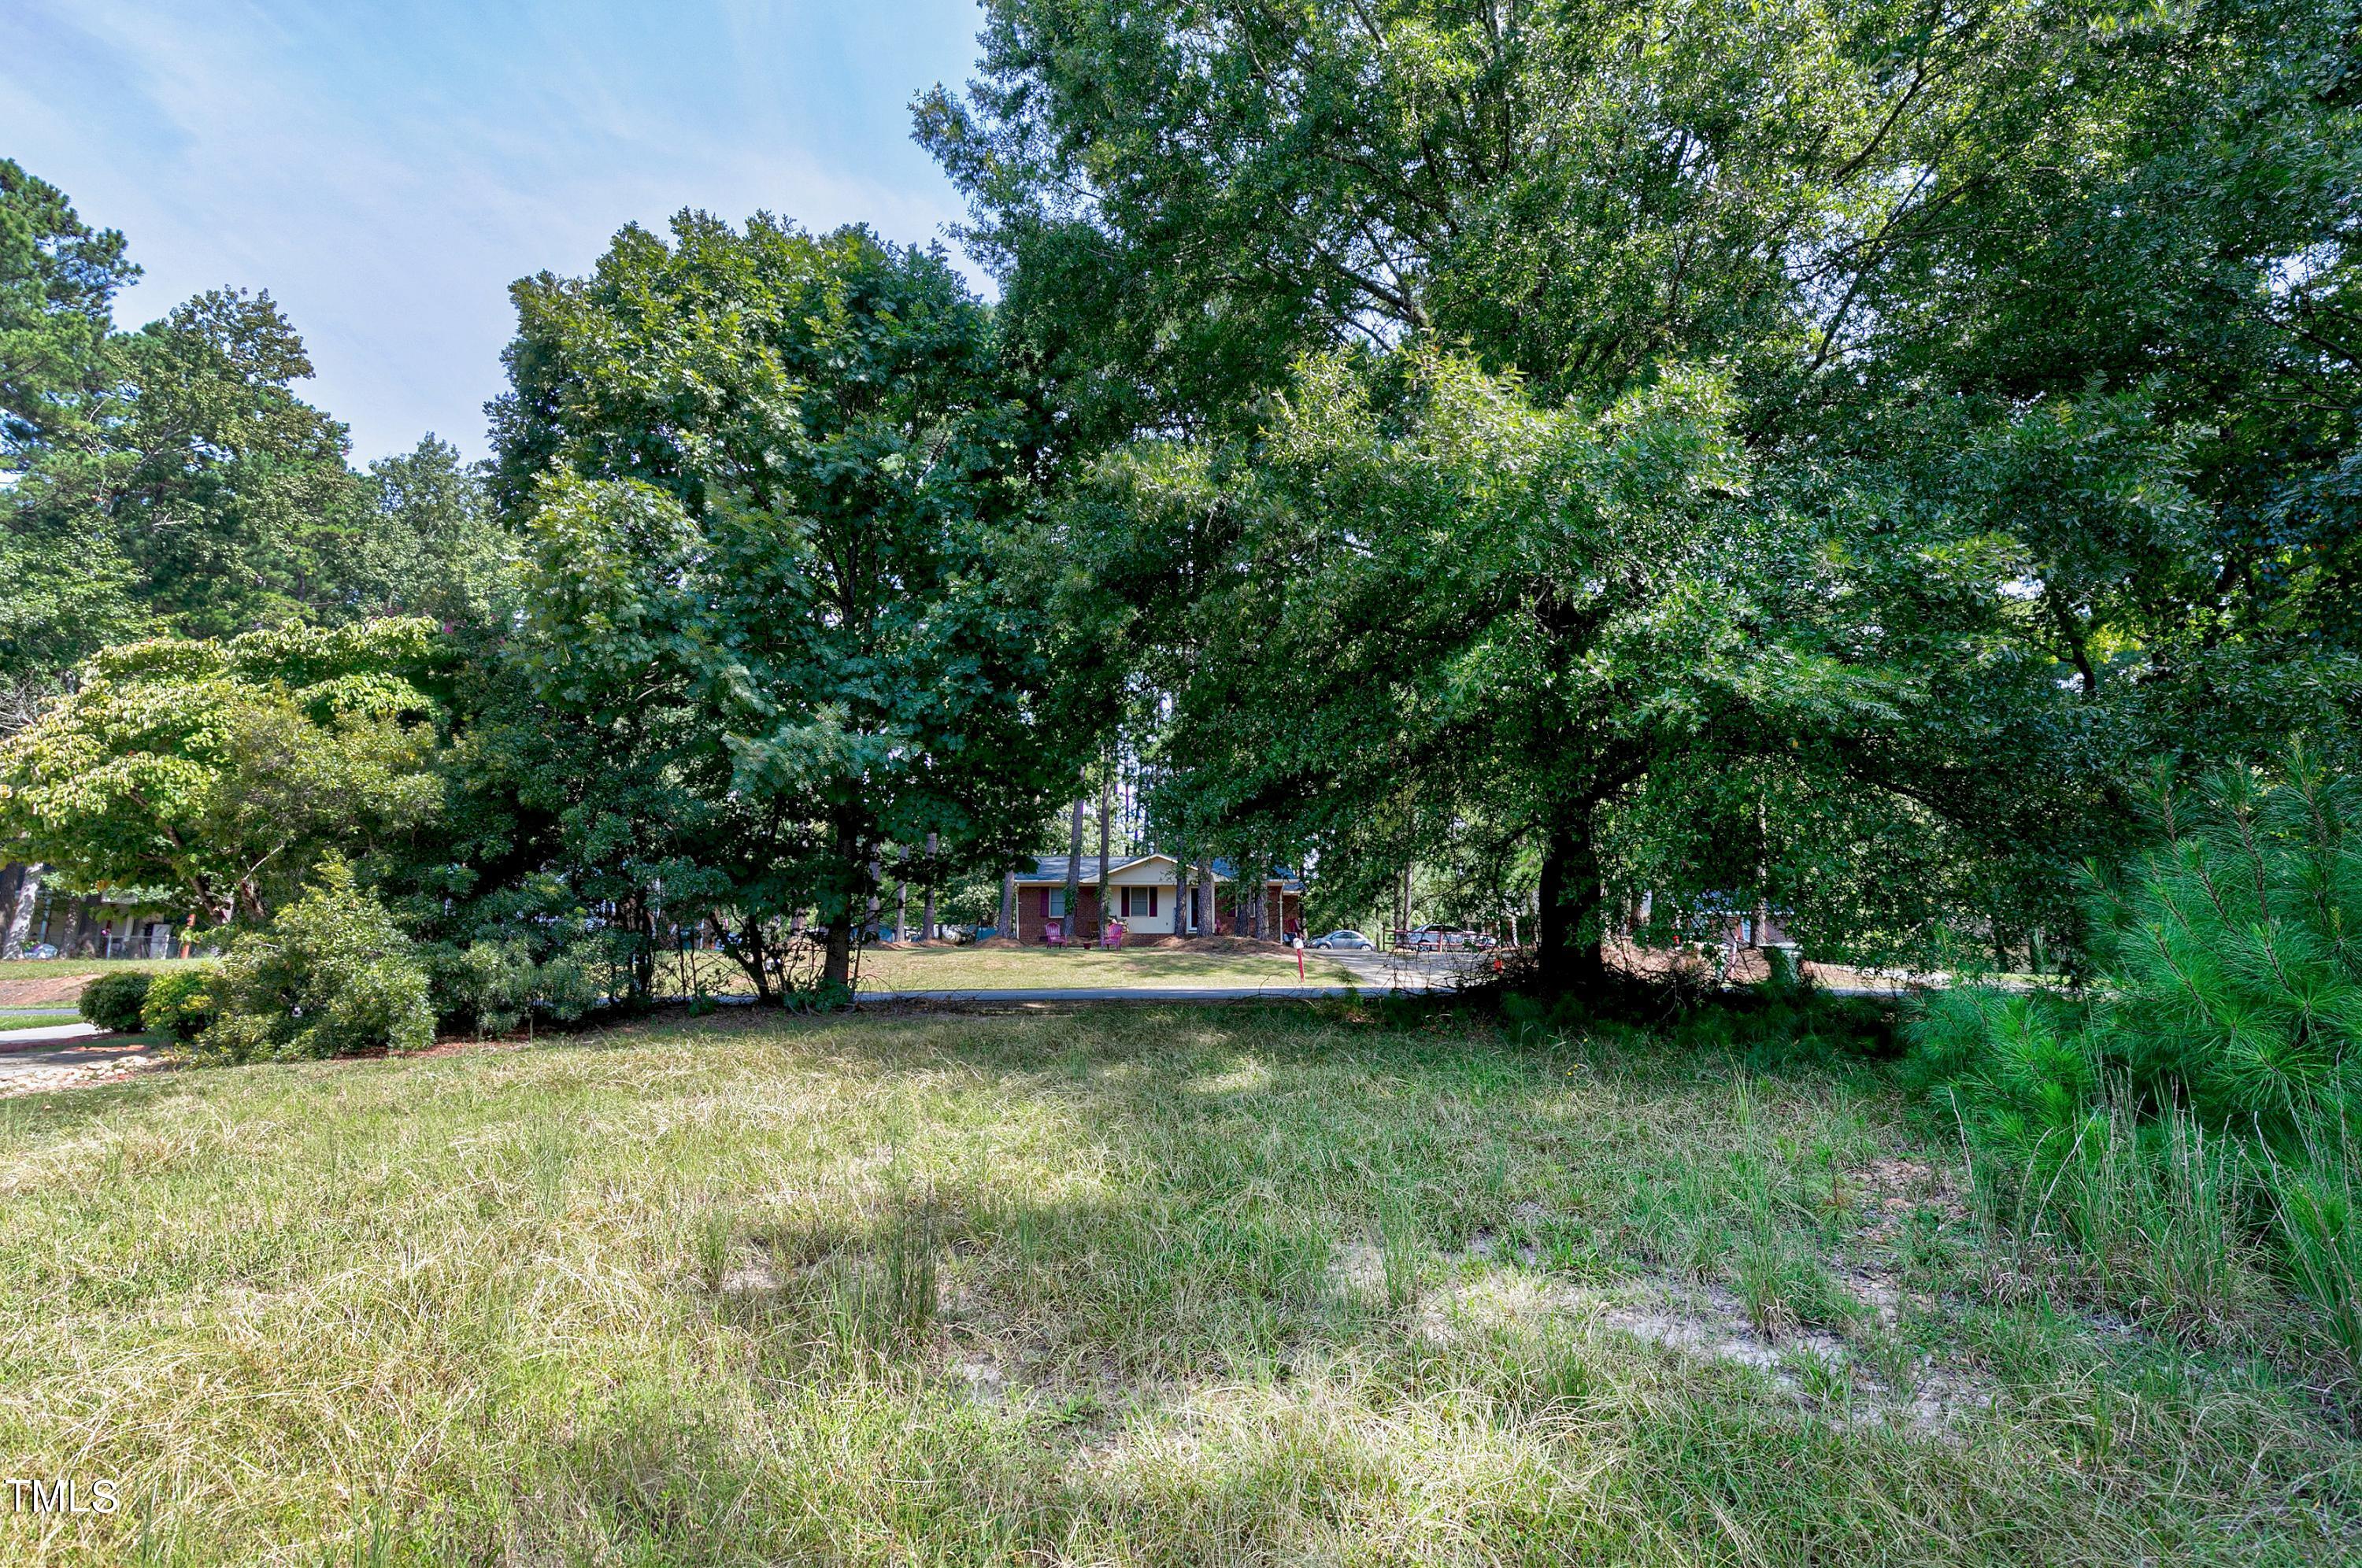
225, 770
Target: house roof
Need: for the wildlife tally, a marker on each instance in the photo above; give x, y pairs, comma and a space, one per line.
1051, 869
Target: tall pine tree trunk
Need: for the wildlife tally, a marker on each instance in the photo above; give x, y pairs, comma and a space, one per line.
1205, 911
1075, 874
81, 940
927, 915
1106, 808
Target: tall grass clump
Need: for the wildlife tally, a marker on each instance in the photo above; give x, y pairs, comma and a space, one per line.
2198, 1099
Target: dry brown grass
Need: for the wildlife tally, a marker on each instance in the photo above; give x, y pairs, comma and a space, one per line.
1133, 1285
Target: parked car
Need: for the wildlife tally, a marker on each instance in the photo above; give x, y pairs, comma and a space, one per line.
38, 950
1342, 939
1448, 939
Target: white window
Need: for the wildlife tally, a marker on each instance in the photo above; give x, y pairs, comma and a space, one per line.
1057, 903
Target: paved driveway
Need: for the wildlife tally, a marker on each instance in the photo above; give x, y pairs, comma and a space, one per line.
1410, 971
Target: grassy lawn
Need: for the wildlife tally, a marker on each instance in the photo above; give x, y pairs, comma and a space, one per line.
50, 968
1148, 1286
1027, 969
10, 1021
1015, 969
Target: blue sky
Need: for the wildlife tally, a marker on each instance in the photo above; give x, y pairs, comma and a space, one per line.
386, 170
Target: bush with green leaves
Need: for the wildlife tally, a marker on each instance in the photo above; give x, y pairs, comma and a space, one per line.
332, 976
180, 1000
2202, 1093
493, 986
113, 1001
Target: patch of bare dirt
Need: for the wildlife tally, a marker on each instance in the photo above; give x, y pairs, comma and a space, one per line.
1707, 1322
1892, 1188
43, 990
1226, 945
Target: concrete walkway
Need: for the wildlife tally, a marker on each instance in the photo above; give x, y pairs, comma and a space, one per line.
70, 1063
47, 1035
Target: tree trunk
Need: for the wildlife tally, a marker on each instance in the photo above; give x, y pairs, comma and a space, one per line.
78, 940
21, 917
749, 952
1202, 910
1106, 808
901, 895
1569, 953
836, 963
644, 953
927, 914
1008, 905
1074, 873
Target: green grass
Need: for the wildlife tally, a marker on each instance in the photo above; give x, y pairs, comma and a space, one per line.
12, 1021
915, 968
1136, 1286
50, 968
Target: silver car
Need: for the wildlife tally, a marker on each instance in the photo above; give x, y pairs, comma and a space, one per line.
1342, 939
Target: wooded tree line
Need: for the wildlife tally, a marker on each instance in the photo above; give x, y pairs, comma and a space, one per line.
1817, 456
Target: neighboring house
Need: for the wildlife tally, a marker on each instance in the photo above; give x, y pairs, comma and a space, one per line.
1145, 893
104, 926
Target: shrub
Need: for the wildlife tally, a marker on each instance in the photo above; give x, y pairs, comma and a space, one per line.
180, 1000
332, 976
492, 986
112, 1001
2170, 1120
486, 987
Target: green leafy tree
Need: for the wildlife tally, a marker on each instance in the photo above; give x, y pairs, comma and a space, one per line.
782, 577
1496, 616
428, 543
58, 278
69, 591
2039, 321
227, 770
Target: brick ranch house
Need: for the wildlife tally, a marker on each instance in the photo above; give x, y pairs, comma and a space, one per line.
1145, 892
